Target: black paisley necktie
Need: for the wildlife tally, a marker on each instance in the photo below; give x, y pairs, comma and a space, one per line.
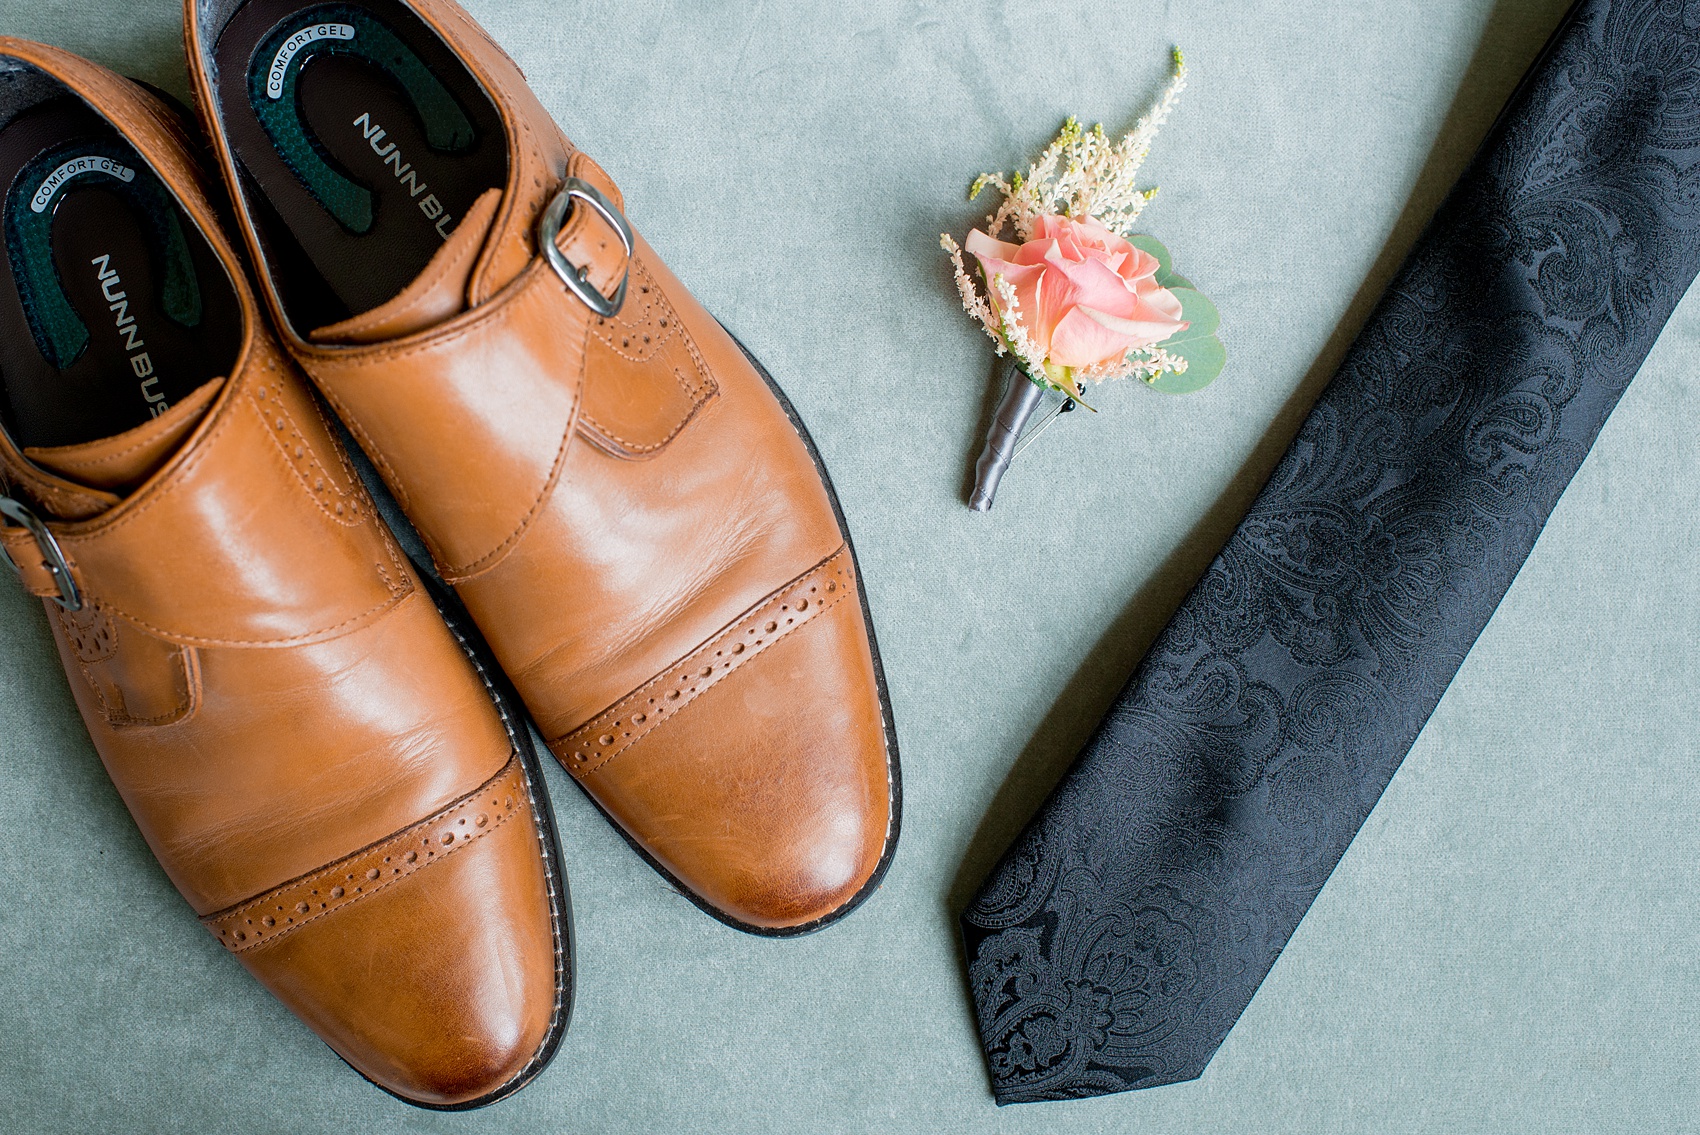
1126, 930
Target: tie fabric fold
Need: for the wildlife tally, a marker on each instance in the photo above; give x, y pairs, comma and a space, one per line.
1126, 930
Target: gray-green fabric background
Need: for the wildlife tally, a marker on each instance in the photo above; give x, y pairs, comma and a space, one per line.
1509, 945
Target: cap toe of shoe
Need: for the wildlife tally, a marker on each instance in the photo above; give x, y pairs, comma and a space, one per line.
770, 796
444, 988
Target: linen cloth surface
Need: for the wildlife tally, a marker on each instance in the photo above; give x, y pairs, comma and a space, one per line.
1506, 946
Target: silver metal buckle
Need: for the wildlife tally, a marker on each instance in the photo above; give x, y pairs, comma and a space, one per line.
53, 558
576, 278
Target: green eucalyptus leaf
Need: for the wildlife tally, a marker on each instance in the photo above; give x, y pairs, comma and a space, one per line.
1197, 310
1205, 359
1165, 260
1175, 280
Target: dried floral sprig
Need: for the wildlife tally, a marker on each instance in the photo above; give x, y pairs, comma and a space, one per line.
972, 301
1012, 332
1097, 179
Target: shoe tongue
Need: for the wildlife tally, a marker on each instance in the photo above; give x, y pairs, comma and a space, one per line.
118, 465
438, 295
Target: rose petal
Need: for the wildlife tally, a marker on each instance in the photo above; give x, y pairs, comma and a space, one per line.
1080, 341
1024, 278
1100, 287
980, 244
1112, 242
1052, 250
1141, 267
1107, 259
1057, 296
1139, 332
1095, 228
1049, 227
1158, 302
1038, 251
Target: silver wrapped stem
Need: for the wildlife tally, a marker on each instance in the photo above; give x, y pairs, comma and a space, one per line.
1021, 397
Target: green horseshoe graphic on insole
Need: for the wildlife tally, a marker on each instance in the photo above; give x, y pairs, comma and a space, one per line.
59, 331
341, 29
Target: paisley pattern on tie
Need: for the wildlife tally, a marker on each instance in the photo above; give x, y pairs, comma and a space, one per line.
1128, 928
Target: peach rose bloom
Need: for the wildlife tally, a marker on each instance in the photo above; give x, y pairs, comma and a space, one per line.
1086, 296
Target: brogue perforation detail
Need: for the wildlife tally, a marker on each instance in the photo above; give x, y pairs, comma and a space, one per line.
642, 330
266, 919
347, 506
341, 499
93, 638
91, 634
642, 711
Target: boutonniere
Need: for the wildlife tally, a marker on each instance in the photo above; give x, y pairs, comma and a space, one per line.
1077, 296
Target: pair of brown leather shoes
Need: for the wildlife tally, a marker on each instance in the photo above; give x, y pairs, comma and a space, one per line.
627, 507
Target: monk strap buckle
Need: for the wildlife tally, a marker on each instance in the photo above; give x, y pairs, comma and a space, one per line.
52, 557
576, 278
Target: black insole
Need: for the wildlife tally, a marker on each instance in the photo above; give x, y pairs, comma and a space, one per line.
112, 305
361, 141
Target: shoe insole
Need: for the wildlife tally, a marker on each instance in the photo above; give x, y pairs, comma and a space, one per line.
362, 142
112, 305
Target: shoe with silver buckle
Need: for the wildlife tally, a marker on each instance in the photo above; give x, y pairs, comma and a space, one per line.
629, 508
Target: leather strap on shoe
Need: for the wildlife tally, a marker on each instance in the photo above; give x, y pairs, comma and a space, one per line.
584, 236
267, 918
591, 279
34, 553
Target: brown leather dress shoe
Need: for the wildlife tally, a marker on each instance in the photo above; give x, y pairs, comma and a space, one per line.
315, 760
630, 510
